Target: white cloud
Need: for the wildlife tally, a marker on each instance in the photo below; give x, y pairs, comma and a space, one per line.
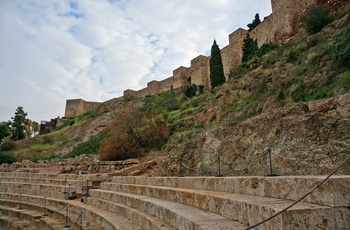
55, 50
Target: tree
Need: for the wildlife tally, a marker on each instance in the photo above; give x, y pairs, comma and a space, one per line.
28, 128
217, 76
254, 23
18, 124
35, 127
250, 48
4, 130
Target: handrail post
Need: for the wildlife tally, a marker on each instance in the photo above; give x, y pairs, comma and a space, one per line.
20, 202
66, 226
45, 212
271, 173
81, 219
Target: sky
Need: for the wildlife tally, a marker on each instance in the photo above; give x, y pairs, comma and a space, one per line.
54, 50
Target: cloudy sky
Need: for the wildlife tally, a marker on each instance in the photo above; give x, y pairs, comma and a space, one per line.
53, 50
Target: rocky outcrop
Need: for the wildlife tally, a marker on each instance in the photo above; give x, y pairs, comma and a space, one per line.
307, 138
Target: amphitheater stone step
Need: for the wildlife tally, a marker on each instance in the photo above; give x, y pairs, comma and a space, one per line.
15, 218
176, 214
247, 209
102, 217
141, 218
334, 192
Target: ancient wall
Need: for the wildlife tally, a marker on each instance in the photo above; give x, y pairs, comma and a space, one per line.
200, 71
231, 55
278, 28
153, 87
76, 107
166, 85
181, 78
264, 32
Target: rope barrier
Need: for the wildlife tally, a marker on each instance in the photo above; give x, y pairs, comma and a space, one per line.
78, 217
189, 167
65, 205
335, 154
36, 202
303, 197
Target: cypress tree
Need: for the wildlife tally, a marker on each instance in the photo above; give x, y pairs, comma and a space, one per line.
254, 23
217, 76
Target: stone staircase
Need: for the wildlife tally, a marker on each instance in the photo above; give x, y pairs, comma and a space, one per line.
162, 203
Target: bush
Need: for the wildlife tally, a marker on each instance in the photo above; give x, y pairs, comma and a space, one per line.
315, 18
292, 55
7, 144
134, 134
6, 157
314, 41
342, 49
270, 59
298, 94
37, 156
238, 71
47, 140
191, 91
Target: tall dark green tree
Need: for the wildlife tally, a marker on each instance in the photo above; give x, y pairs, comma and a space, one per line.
254, 23
250, 48
18, 124
217, 76
4, 130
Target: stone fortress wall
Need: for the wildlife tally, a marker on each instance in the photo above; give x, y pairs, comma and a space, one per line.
76, 107
278, 28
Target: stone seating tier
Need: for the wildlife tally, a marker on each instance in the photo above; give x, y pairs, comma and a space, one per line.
178, 215
164, 203
177, 208
334, 192
56, 191
98, 218
51, 176
10, 216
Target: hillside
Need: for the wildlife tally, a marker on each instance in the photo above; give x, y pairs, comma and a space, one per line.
293, 102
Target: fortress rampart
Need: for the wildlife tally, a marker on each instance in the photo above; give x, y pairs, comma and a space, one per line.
278, 28
76, 107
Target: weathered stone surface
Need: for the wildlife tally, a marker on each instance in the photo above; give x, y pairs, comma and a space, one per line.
304, 139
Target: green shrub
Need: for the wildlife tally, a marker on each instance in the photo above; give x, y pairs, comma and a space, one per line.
298, 94
345, 79
191, 91
201, 89
47, 139
266, 48
37, 156
7, 144
342, 49
321, 93
6, 157
314, 41
270, 59
292, 55
315, 18
165, 102
238, 71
